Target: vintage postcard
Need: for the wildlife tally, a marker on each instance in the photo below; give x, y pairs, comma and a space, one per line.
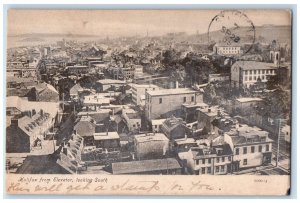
148, 102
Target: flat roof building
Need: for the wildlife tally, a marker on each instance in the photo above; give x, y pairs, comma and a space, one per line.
160, 103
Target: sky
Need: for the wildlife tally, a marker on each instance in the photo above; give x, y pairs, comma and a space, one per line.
127, 22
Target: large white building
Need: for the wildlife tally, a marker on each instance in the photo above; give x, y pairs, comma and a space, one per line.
132, 119
151, 145
252, 146
224, 49
138, 93
247, 73
164, 101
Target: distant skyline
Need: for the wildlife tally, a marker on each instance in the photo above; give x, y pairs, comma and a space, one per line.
114, 23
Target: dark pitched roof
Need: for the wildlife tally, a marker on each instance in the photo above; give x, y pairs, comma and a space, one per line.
41, 164
145, 166
172, 123
219, 150
254, 65
20, 92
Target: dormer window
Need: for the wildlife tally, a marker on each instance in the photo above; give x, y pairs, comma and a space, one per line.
263, 139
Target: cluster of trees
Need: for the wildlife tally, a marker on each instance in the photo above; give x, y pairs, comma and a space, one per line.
276, 104
189, 70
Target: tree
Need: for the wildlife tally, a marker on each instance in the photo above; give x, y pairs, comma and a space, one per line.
210, 95
273, 82
277, 103
197, 69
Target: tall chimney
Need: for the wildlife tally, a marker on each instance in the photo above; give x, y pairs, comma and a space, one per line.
15, 122
65, 151
30, 114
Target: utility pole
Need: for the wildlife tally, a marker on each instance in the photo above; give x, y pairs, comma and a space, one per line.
278, 136
280, 123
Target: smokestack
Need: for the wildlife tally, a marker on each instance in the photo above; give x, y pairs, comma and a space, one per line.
65, 151
30, 114
15, 122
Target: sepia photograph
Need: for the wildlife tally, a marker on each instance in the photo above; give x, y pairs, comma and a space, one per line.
117, 97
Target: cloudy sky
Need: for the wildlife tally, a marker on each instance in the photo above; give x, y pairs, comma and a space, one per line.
126, 22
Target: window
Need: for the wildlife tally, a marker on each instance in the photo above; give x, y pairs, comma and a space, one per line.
197, 172
184, 99
250, 72
254, 78
246, 72
209, 161
153, 88
192, 99
258, 72
263, 77
203, 170
250, 77
197, 162
252, 149
203, 161
208, 170
133, 125
245, 162
223, 159
155, 126
222, 168
245, 150
267, 148
160, 100
246, 78
254, 71
218, 160
237, 151
229, 158
217, 169
263, 71
259, 148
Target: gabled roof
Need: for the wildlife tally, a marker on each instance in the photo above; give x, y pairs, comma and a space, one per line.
75, 89
150, 137
24, 105
172, 122
41, 164
254, 65
32, 126
214, 151
145, 166
43, 86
